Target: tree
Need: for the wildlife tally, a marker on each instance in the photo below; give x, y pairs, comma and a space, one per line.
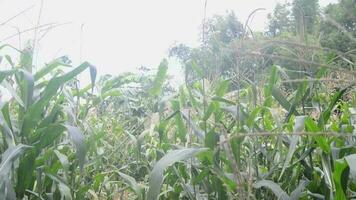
281, 20
222, 29
338, 30
216, 54
305, 13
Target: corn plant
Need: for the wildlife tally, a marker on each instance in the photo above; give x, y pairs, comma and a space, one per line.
219, 135
38, 123
208, 141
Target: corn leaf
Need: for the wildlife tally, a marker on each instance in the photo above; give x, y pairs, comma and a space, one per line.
159, 79
274, 187
79, 143
156, 175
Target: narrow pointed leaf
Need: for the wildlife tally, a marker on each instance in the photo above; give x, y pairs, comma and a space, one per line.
274, 187
156, 175
8, 159
351, 161
28, 87
79, 143
62, 186
340, 167
298, 127
34, 113
197, 131
62, 61
159, 79
297, 193
132, 183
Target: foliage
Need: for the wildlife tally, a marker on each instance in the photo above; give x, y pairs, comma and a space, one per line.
260, 116
34, 124
217, 52
305, 13
336, 16
281, 20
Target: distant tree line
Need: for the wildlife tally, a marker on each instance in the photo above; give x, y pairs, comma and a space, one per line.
299, 35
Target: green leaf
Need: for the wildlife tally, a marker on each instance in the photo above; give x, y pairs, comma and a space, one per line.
6, 73
192, 99
222, 88
274, 187
8, 159
9, 156
63, 159
340, 178
211, 139
252, 117
300, 94
35, 110
235, 111
159, 79
26, 58
277, 94
62, 186
62, 61
9, 60
201, 176
138, 189
111, 93
197, 131
6, 130
223, 100
27, 88
156, 175
79, 143
351, 160
299, 124
313, 127
272, 81
325, 163
321, 72
298, 127
211, 108
13, 92
181, 129
324, 117
296, 194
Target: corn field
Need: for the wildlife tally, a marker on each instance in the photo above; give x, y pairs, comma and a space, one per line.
279, 123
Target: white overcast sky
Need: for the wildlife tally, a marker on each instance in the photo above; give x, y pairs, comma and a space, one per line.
119, 35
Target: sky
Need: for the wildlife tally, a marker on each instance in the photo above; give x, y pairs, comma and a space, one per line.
116, 35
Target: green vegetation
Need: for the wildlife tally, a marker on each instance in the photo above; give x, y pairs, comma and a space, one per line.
260, 116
